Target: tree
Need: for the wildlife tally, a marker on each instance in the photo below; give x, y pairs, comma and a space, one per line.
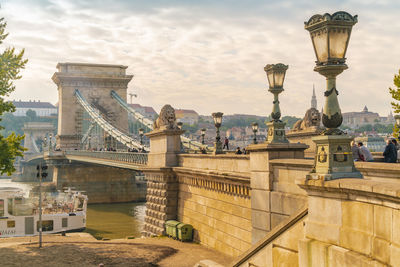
10, 65
396, 103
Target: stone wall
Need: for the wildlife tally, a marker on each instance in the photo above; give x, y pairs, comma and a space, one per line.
351, 222
279, 247
217, 203
102, 184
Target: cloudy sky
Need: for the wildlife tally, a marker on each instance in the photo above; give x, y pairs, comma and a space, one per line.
206, 55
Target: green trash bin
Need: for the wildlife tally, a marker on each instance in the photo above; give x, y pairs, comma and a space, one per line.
185, 232
171, 228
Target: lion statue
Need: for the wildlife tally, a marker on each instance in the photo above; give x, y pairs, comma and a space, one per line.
167, 118
311, 118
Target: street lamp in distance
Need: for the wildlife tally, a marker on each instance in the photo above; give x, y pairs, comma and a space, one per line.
254, 126
217, 116
203, 133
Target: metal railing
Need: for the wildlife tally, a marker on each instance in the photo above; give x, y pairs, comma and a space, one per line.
128, 157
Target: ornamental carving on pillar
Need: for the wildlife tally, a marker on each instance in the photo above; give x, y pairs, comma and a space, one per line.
167, 119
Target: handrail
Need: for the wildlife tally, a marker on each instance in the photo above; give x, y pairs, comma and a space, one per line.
106, 126
129, 157
271, 236
186, 142
145, 121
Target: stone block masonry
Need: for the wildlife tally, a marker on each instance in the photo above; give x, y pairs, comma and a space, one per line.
219, 208
161, 201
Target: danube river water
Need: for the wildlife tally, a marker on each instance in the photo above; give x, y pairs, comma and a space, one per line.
111, 221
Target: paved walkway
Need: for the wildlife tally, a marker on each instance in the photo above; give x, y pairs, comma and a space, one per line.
81, 249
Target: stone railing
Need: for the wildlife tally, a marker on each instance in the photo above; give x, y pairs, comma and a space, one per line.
222, 162
128, 157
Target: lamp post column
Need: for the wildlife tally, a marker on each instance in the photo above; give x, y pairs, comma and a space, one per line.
276, 128
330, 35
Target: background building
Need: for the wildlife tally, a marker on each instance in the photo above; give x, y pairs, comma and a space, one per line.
146, 111
357, 119
42, 109
187, 116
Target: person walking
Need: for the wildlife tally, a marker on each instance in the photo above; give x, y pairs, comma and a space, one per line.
390, 153
356, 151
226, 143
365, 154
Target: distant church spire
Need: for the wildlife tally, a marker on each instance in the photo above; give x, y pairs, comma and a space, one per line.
313, 99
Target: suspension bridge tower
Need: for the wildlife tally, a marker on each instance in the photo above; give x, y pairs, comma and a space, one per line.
95, 83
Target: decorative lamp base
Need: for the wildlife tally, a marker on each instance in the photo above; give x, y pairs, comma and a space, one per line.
218, 148
276, 132
333, 159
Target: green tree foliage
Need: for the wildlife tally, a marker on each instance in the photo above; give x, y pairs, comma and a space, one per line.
10, 65
10, 123
395, 92
379, 128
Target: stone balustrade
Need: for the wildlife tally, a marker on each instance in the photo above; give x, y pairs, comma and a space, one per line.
221, 162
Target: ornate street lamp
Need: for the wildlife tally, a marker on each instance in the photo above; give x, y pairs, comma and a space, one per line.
179, 124
203, 133
50, 137
330, 36
276, 128
217, 116
141, 132
254, 126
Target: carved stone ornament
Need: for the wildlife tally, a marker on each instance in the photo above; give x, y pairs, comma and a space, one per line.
332, 122
312, 118
167, 119
322, 156
339, 155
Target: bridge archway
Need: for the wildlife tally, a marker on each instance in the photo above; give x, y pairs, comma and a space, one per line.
95, 82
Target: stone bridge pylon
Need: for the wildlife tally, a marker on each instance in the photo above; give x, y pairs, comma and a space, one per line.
95, 82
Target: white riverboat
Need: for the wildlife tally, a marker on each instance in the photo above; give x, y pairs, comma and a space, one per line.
61, 212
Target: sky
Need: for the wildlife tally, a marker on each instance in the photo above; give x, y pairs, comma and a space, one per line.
206, 55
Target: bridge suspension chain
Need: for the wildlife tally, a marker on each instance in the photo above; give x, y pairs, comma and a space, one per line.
35, 147
186, 142
106, 126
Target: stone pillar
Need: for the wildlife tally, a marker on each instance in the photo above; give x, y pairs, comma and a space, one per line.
162, 183
261, 182
95, 82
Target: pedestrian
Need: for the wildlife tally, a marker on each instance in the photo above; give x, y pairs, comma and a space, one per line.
238, 151
365, 154
390, 153
244, 151
356, 151
226, 143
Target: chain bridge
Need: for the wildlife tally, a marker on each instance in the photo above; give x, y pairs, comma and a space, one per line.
263, 205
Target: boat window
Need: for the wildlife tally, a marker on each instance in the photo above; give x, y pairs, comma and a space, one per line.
1, 207
47, 225
10, 224
10, 206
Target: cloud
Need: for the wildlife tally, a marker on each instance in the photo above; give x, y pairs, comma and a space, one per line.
206, 55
